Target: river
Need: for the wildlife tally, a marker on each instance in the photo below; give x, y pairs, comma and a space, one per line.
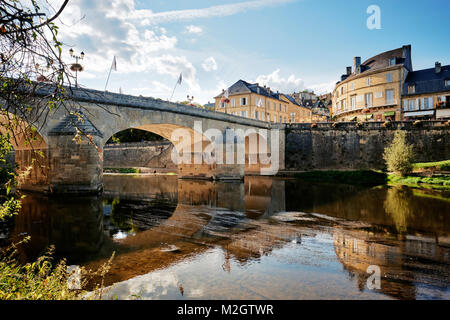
264, 238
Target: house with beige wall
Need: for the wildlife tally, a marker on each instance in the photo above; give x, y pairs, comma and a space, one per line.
426, 94
373, 89
260, 103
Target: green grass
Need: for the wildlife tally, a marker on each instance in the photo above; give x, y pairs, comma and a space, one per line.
361, 177
441, 165
122, 170
436, 182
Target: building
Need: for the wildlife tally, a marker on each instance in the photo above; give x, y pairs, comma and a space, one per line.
373, 90
261, 103
426, 94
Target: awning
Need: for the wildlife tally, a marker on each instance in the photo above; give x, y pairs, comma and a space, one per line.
445, 113
389, 114
419, 113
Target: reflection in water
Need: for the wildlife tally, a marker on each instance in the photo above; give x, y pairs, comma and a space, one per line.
264, 238
397, 205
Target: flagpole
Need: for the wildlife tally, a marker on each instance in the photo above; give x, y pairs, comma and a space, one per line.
178, 82
107, 80
173, 91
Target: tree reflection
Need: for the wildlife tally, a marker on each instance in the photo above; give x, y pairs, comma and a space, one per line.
398, 206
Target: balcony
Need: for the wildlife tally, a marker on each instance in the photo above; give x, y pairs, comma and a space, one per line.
443, 105
360, 108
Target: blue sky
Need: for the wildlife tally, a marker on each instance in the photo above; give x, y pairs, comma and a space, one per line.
286, 44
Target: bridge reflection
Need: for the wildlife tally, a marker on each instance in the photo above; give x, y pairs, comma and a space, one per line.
153, 222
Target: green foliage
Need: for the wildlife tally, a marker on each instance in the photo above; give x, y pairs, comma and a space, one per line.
134, 135
44, 279
399, 155
435, 182
361, 177
122, 170
439, 166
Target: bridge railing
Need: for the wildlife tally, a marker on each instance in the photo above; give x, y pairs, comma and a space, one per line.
370, 125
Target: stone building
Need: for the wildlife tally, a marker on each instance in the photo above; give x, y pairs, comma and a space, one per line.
261, 103
373, 89
426, 94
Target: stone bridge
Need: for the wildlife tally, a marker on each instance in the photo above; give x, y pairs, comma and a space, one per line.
55, 163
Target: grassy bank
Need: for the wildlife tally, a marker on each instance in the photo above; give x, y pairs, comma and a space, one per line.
435, 182
434, 166
372, 178
122, 170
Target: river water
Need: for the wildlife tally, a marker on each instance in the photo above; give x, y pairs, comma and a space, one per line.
264, 238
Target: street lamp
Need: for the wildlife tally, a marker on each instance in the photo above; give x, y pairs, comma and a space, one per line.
76, 66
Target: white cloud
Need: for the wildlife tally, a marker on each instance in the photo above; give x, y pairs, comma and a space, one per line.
276, 82
148, 17
102, 30
323, 88
193, 29
209, 64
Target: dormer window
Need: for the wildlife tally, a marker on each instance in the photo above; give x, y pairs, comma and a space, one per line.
412, 89
392, 62
447, 83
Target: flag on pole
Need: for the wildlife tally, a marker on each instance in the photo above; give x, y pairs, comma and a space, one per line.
114, 64
180, 79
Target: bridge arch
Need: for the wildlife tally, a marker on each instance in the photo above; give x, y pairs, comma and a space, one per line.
188, 146
31, 153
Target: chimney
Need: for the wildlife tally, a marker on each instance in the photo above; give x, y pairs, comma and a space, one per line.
437, 68
357, 63
349, 71
268, 90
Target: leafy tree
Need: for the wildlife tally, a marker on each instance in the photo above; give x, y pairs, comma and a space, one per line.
30, 60
399, 155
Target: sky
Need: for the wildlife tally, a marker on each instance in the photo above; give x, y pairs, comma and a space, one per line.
289, 45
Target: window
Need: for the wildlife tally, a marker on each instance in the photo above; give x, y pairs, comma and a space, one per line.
353, 102
352, 86
389, 96
281, 119
280, 108
392, 62
293, 117
389, 77
427, 103
244, 114
243, 101
368, 81
411, 105
285, 108
222, 104
447, 83
256, 115
342, 90
268, 117
368, 98
233, 103
412, 88
344, 104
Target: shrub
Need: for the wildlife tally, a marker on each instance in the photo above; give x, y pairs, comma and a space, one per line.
399, 155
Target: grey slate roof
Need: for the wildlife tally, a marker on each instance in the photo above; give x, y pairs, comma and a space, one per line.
69, 123
244, 87
427, 81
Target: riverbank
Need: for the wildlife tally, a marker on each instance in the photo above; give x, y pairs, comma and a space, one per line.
372, 178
